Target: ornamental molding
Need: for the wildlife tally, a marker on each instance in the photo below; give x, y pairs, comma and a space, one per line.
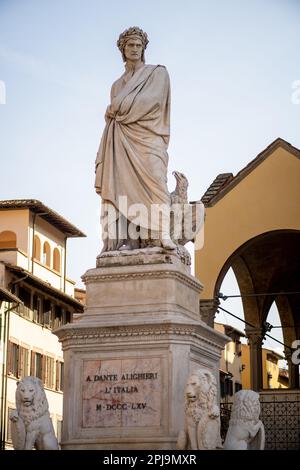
185, 279
73, 336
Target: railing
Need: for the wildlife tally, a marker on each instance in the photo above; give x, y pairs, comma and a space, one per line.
44, 319
280, 413
281, 417
26, 312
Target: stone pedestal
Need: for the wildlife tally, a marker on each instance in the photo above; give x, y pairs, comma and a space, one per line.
127, 358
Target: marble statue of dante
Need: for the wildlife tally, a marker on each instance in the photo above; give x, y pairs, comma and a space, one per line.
132, 160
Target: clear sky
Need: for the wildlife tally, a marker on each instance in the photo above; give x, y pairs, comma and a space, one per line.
232, 66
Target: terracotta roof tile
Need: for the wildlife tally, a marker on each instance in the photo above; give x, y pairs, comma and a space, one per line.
219, 183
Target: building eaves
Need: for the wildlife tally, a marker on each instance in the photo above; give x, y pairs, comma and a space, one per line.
38, 208
274, 353
7, 296
231, 329
44, 286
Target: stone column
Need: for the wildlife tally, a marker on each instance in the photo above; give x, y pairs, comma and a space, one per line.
208, 310
255, 340
293, 370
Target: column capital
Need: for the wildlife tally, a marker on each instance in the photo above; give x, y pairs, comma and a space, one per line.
208, 309
288, 354
255, 336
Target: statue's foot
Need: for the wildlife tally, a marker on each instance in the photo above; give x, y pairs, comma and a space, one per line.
168, 244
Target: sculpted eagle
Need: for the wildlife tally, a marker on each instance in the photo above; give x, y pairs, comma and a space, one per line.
187, 218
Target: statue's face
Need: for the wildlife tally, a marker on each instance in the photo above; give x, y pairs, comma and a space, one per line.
197, 389
133, 49
27, 392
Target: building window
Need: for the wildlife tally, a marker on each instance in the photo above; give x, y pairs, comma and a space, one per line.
56, 260
25, 309
17, 360
59, 376
48, 378
8, 239
47, 254
37, 248
228, 386
36, 368
23, 365
13, 358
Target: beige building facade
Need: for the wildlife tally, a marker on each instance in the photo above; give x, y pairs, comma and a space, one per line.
274, 376
36, 297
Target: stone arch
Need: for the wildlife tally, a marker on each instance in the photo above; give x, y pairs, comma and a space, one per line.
265, 266
56, 260
8, 239
37, 248
47, 254
245, 274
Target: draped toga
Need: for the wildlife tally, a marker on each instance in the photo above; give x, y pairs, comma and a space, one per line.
132, 159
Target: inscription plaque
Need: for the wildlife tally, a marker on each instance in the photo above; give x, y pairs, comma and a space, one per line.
122, 392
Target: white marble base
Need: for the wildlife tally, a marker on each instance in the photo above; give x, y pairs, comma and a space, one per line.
129, 355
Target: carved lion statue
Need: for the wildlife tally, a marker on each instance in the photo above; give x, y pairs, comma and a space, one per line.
202, 415
246, 431
31, 425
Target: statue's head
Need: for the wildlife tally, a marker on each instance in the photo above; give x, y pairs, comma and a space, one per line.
132, 44
201, 388
30, 395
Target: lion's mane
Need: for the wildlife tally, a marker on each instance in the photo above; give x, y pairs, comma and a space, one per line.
246, 406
